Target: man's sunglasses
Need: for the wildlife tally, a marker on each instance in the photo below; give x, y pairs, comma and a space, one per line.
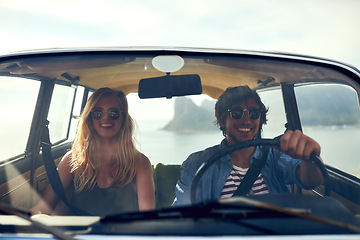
99, 114
238, 113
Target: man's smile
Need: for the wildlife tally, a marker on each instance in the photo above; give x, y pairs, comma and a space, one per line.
244, 129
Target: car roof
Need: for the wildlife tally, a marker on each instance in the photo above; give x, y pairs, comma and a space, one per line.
122, 68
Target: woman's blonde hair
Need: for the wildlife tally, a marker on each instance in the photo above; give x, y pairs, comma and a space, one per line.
86, 163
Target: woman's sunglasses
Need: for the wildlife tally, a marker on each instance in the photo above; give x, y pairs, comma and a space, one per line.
99, 114
238, 113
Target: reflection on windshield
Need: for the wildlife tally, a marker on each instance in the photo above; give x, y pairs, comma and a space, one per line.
175, 145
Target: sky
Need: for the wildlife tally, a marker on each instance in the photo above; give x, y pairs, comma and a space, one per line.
322, 28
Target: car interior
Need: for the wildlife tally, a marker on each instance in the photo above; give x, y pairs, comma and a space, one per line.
54, 86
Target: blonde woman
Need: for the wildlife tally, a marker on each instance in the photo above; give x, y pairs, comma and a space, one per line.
107, 174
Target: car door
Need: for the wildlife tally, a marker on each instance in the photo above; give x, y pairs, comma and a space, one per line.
30, 103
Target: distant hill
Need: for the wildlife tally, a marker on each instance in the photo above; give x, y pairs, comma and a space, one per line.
317, 105
189, 117
332, 105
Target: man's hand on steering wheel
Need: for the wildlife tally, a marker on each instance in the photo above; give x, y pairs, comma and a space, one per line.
298, 145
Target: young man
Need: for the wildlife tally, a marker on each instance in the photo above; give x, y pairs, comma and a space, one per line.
240, 115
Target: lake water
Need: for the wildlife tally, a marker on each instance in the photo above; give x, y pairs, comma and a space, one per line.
340, 146
171, 147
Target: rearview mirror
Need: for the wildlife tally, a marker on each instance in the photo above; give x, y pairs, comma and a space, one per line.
169, 86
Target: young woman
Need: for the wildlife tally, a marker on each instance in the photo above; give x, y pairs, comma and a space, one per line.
104, 170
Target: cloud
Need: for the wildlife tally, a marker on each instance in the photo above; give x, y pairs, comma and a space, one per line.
325, 28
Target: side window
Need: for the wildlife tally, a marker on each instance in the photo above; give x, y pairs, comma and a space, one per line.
276, 118
18, 99
76, 111
60, 112
330, 114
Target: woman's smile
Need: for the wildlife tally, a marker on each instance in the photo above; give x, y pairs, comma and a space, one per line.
107, 126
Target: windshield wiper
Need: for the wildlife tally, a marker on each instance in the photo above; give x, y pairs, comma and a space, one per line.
10, 210
300, 213
212, 210
202, 210
236, 208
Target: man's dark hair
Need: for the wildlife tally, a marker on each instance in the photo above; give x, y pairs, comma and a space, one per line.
234, 96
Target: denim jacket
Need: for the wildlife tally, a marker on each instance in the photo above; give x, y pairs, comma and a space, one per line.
278, 172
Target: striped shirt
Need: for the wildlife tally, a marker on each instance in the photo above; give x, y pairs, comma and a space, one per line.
234, 180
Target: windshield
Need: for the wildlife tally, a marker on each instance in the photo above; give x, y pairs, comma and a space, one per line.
162, 136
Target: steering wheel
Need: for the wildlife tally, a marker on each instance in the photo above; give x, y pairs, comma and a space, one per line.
255, 142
